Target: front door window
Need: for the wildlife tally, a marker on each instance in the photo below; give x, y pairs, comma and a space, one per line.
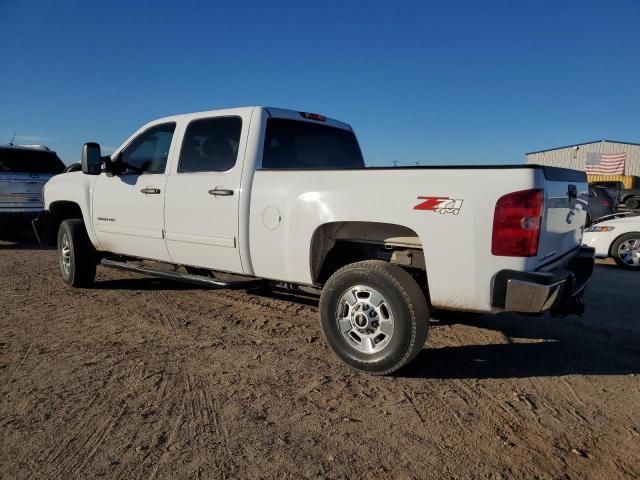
149, 151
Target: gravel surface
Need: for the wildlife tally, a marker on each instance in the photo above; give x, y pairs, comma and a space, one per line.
145, 378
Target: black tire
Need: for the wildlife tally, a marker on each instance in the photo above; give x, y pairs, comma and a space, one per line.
406, 304
633, 203
615, 250
76, 251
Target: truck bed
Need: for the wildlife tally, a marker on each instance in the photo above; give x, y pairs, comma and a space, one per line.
456, 241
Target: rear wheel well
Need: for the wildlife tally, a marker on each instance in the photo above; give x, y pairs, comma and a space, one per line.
61, 211
337, 244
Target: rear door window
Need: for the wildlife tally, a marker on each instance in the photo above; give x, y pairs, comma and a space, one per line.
210, 145
291, 144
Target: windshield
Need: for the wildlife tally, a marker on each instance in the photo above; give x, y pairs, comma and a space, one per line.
291, 144
23, 160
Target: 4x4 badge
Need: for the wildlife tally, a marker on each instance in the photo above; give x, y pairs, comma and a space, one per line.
442, 205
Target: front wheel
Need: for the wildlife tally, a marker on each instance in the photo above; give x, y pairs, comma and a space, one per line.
374, 316
76, 254
626, 251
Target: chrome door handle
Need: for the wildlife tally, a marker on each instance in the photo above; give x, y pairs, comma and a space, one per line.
221, 192
150, 191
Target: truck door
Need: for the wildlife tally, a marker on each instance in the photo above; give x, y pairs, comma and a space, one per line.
203, 190
128, 208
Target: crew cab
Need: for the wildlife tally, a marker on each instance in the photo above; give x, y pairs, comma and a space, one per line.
265, 196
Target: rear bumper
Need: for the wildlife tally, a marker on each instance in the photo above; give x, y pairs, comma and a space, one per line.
558, 290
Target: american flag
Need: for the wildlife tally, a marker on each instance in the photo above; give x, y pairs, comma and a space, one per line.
605, 163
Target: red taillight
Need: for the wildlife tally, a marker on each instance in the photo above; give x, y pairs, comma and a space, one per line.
516, 224
314, 116
606, 203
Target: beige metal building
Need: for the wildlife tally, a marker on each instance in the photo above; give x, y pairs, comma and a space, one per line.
574, 156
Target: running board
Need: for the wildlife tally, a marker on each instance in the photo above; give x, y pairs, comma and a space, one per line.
182, 277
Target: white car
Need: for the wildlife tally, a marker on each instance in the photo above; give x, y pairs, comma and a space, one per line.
284, 198
618, 237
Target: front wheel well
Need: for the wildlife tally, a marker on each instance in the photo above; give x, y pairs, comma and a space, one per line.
59, 212
618, 238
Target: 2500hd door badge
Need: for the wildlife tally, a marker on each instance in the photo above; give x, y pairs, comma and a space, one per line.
441, 205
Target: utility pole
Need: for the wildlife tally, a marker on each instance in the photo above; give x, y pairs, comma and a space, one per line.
395, 163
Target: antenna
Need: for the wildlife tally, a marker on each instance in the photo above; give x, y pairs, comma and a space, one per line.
14, 137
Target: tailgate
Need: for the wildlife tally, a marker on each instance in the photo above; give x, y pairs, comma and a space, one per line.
21, 189
565, 210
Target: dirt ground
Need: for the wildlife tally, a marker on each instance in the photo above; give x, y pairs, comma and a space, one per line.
144, 378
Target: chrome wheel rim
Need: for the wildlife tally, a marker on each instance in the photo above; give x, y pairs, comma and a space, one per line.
365, 319
629, 252
65, 255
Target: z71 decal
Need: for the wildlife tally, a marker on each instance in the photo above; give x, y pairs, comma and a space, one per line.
442, 205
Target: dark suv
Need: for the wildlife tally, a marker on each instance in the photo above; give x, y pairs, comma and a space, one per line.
23, 173
630, 197
601, 203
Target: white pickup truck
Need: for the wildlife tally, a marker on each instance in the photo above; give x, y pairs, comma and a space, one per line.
242, 196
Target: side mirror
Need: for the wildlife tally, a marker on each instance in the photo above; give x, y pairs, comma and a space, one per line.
91, 159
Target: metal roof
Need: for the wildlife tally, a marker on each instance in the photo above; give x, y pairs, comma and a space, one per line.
580, 144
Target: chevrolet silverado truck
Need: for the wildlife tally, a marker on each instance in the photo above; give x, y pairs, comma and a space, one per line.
266, 196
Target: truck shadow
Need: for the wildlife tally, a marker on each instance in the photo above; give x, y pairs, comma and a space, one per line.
605, 342
145, 283
298, 298
18, 237
535, 347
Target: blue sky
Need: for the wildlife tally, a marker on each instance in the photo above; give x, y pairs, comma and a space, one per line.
429, 82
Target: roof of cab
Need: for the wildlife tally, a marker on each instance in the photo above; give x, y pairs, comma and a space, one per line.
272, 111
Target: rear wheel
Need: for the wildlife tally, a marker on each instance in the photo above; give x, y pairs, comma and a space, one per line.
76, 254
374, 316
626, 251
633, 203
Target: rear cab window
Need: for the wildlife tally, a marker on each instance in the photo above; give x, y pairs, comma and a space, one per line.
294, 144
25, 160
